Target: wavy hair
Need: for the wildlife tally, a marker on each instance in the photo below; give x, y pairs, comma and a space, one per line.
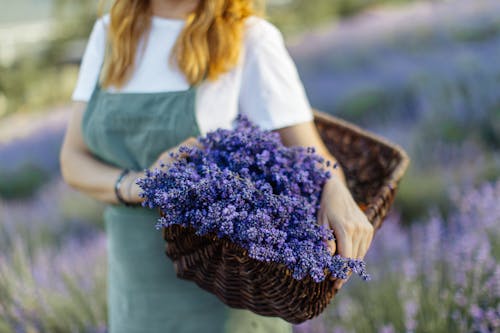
209, 44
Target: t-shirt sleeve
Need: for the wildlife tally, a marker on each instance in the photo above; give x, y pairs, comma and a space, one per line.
91, 62
271, 94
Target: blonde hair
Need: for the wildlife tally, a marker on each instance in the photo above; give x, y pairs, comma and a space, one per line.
208, 45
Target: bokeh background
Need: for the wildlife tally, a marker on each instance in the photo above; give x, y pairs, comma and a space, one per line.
424, 74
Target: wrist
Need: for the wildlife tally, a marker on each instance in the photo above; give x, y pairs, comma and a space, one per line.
335, 181
337, 172
132, 189
120, 183
334, 168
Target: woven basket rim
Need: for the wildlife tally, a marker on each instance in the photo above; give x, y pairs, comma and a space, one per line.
401, 168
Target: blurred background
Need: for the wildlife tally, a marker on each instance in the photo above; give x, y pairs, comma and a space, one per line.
423, 74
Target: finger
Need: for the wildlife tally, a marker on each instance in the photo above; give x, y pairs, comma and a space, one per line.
332, 247
366, 244
340, 282
362, 248
344, 245
330, 244
170, 155
163, 161
356, 244
190, 142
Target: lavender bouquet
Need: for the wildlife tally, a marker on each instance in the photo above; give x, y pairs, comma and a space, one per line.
246, 185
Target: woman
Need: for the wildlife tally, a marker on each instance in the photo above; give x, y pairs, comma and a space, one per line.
132, 107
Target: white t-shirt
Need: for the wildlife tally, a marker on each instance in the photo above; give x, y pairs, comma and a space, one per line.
265, 84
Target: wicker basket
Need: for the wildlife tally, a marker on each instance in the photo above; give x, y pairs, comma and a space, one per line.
373, 168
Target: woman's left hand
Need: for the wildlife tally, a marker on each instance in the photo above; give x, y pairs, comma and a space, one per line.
351, 228
338, 210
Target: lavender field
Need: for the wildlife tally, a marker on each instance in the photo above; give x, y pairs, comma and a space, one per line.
438, 275
424, 75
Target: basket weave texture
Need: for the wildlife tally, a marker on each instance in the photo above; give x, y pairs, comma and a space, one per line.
373, 168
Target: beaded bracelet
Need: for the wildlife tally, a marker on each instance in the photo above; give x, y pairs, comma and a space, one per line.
117, 187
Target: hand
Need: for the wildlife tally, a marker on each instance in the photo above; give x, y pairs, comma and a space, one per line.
165, 156
131, 190
351, 228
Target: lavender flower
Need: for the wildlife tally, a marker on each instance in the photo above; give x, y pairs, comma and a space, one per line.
244, 184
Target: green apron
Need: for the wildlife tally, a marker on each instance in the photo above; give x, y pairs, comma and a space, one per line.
131, 130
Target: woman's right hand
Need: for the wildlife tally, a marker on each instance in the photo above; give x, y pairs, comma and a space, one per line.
165, 156
131, 190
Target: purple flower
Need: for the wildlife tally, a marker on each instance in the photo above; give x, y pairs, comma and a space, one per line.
244, 184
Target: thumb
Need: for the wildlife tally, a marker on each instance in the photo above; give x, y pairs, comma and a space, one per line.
172, 154
191, 142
